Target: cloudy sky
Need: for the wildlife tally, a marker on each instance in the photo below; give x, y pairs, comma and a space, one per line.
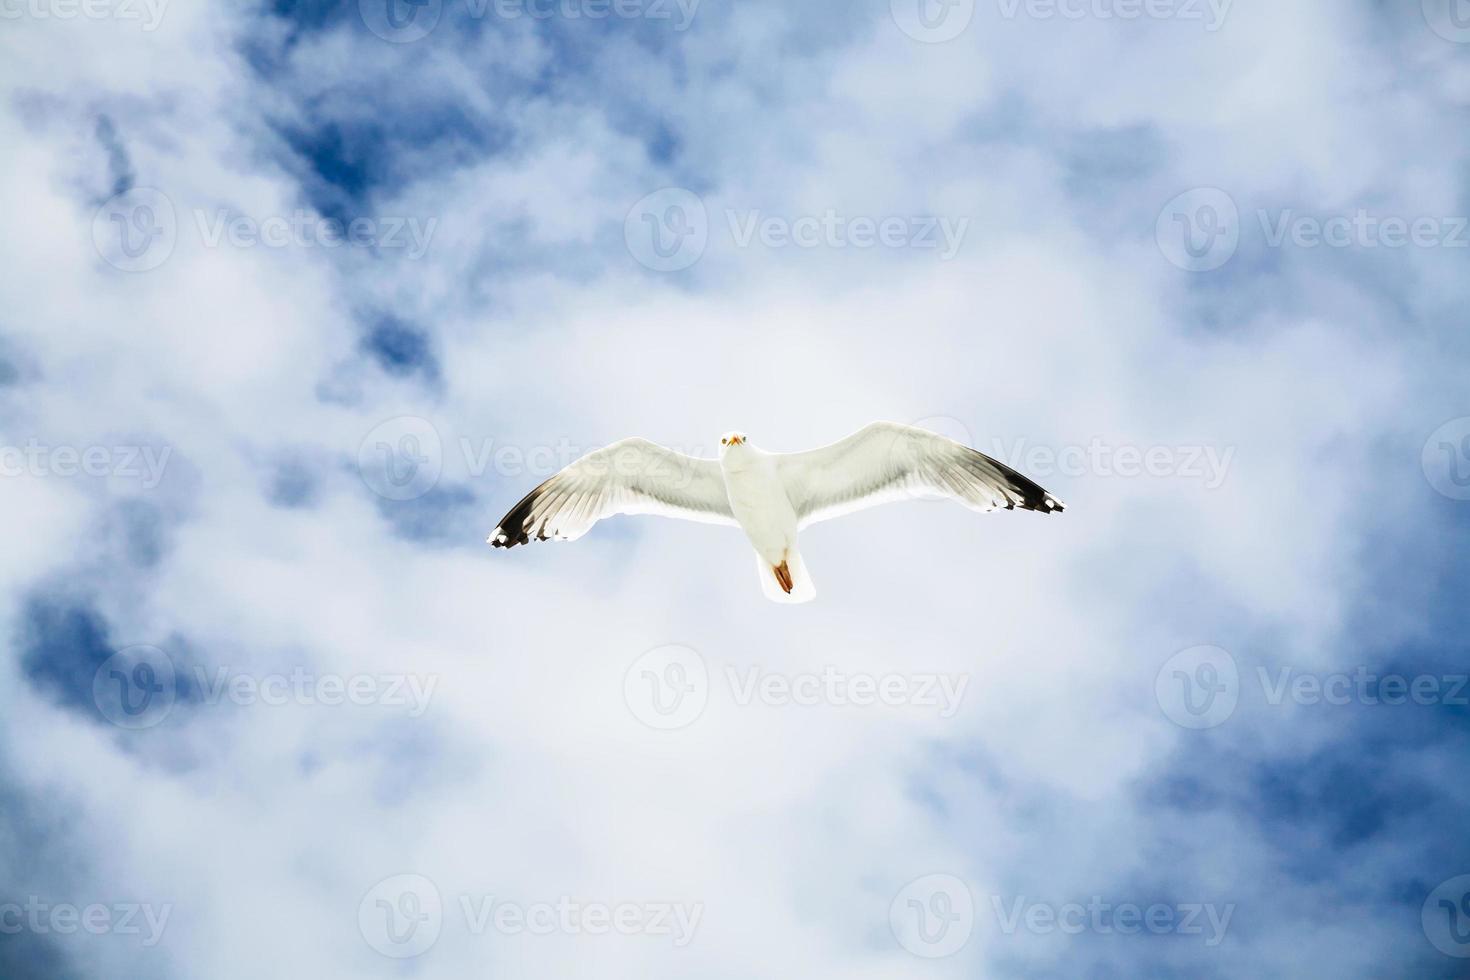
298, 297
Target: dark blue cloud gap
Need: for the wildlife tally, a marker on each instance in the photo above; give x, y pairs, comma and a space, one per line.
401, 349
63, 642
28, 834
145, 531
446, 516
663, 142
11, 368
119, 166
64, 639
1103, 161
1347, 792
342, 163
29, 956
293, 484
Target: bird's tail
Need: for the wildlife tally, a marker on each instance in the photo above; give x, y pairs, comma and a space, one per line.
787, 582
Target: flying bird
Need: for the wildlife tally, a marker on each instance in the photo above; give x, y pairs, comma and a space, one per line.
770, 496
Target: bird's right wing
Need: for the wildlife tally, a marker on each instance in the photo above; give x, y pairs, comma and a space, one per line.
634, 476
886, 461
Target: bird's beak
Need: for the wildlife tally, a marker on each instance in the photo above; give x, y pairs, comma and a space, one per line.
736, 440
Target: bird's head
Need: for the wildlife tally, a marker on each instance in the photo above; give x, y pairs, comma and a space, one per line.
730, 440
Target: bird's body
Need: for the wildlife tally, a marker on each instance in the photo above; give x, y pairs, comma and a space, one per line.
770, 496
761, 505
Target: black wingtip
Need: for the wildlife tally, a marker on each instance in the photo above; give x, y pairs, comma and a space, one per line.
513, 526
1034, 497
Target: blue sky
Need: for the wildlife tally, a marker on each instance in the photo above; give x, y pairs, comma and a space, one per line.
300, 297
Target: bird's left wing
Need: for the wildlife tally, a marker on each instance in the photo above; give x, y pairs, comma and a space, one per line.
886, 461
634, 476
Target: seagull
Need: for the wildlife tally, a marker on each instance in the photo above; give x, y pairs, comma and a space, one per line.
770, 496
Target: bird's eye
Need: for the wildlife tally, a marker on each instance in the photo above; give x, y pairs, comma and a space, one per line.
724, 442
